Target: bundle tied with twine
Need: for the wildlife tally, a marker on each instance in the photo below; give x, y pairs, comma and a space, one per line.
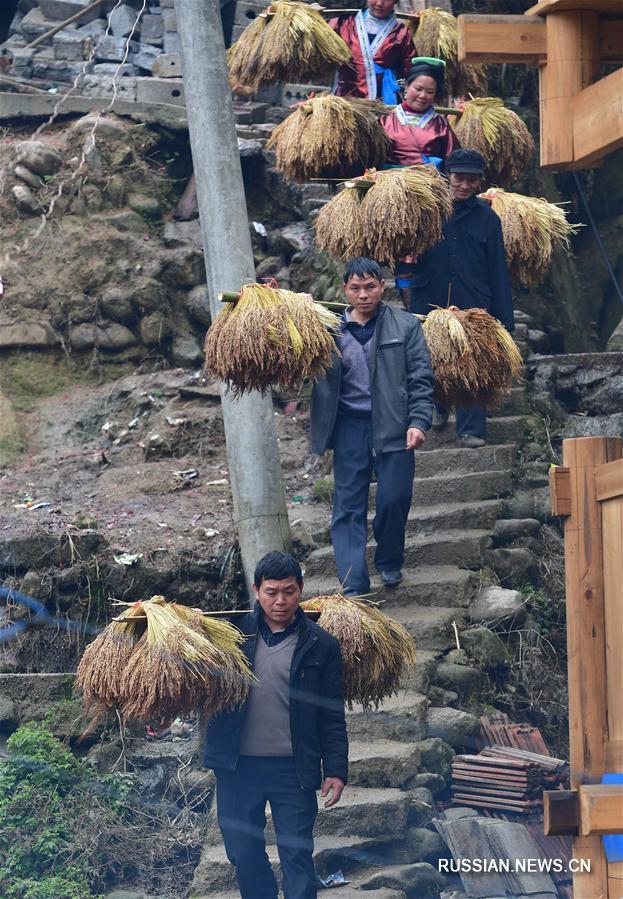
159, 660
532, 229
402, 212
473, 357
289, 41
437, 35
329, 136
376, 651
270, 338
499, 134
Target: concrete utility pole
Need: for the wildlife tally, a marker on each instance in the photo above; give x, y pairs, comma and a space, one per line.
260, 514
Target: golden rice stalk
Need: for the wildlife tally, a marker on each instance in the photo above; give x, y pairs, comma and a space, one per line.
182, 664
404, 212
499, 134
376, 651
293, 41
472, 355
270, 338
339, 229
532, 228
104, 659
437, 34
328, 137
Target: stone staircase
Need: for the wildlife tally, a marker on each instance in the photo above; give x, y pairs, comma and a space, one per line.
377, 835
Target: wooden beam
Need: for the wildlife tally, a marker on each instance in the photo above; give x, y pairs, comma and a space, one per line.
609, 480
586, 640
522, 39
615, 880
612, 530
545, 7
601, 809
560, 490
598, 118
572, 62
501, 39
561, 813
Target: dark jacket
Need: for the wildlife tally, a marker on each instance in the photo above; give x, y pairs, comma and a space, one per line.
317, 722
469, 264
401, 381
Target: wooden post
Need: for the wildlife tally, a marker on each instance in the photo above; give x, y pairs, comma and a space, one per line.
573, 59
586, 639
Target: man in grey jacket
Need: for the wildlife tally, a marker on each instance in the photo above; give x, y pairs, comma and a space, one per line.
372, 408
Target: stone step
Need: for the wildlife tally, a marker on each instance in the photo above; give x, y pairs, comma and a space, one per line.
479, 514
436, 462
431, 627
458, 487
349, 891
425, 671
452, 547
401, 717
382, 763
430, 585
500, 430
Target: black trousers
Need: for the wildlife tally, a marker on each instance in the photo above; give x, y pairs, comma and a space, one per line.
470, 422
353, 463
241, 797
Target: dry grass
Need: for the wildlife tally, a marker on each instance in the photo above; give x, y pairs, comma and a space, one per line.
293, 42
437, 35
499, 134
270, 338
474, 358
330, 136
404, 212
339, 229
532, 228
376, 651
178, 661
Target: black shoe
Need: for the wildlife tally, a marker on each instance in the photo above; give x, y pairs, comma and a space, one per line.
391, 578
440, 419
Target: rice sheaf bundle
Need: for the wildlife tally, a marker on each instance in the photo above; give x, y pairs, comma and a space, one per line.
290, 40
376, 651
270, 338
473, 357
499, 134
437, 35
173, 661
532, 228
339, 228
330, 136
404, 212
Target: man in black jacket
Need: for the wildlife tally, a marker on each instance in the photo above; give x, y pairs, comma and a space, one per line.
285, 742
466, 269
372, 408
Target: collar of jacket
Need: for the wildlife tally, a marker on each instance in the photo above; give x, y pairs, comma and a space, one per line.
301, 618
464, 207
379, 313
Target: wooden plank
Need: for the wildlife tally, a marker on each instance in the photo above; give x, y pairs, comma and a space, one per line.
612, 529
572, 62
545, 7
519, 39
560, 490
586, 642
561, 812
614, 755
615, 880
601, 809
609, 480
598, 118
501, 39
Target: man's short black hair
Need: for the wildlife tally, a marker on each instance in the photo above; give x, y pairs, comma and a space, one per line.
362, 266
277, 566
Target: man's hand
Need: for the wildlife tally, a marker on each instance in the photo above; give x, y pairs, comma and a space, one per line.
334, 786
415, 438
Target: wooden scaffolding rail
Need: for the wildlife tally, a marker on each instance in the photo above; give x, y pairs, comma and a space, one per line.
587, 491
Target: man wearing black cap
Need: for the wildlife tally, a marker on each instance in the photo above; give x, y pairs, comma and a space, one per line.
466, 269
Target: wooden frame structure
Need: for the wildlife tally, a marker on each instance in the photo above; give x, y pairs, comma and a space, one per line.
570, 40
587, 491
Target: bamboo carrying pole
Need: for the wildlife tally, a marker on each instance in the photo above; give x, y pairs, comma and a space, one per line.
229, 296
260, 513
332, 13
